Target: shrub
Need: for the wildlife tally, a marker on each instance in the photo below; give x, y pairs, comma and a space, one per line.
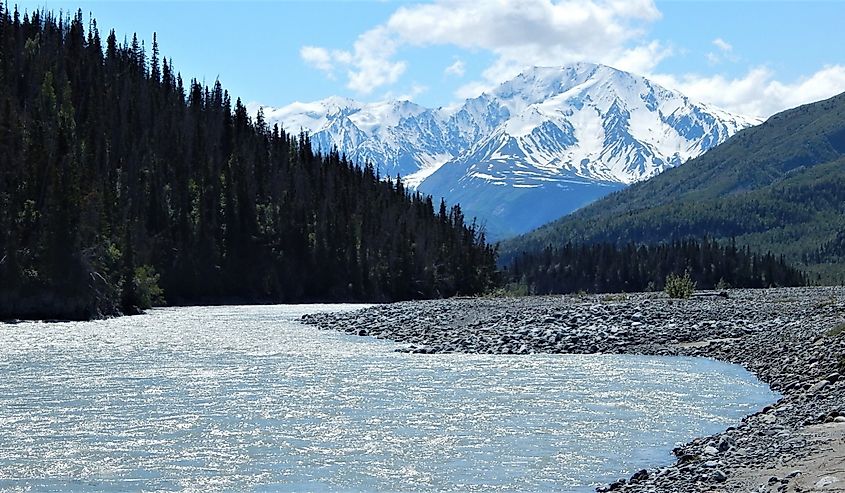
511, 289
679, 286
722, 285
148, 291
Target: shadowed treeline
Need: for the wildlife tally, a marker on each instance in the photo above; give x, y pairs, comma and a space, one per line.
120, 187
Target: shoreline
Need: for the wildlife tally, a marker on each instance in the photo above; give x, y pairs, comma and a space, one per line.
792, 339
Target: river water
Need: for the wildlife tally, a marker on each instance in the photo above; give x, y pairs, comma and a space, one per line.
247, 399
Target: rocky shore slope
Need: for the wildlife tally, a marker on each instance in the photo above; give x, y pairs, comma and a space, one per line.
793, 339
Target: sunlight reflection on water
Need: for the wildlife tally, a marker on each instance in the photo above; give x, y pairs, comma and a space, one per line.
246, 398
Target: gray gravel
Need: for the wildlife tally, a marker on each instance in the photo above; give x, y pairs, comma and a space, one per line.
784, 336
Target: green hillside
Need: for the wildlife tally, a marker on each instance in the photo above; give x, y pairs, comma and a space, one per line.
777, 187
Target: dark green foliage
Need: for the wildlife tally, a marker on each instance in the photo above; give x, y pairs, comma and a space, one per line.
778, 187
118, 182
606, 268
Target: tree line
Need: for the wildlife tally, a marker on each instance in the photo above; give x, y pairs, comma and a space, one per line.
122, 186
607, 268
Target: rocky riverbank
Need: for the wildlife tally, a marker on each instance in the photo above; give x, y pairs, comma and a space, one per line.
793, 339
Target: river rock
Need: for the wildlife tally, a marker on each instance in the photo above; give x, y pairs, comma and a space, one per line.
719, 476
824, 482
725, 443
640, 475
818, 386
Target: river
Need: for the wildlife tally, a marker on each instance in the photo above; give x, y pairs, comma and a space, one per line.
245, 398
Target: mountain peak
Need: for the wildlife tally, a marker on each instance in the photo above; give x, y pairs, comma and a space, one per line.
538, 83
545, 72
548, 131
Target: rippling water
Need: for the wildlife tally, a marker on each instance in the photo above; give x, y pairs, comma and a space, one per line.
245, 398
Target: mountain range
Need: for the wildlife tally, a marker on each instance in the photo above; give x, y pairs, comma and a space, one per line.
778, 187
531, 150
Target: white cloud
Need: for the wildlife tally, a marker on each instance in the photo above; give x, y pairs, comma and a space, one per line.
370, 61
757, 93
410, 95
642, 58
724, 52
457, 68
577, 25
368, 65
712, 58
723, 45
520, 33
473, 89
318, 58
638, 59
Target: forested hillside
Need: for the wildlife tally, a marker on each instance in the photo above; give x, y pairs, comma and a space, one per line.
120, 185
778, 187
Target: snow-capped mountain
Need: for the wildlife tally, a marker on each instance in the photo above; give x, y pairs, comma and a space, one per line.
533, 149
398, 137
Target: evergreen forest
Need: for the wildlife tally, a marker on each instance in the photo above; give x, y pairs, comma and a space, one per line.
123, 186
607, 268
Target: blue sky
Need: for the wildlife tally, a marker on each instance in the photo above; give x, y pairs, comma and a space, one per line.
753, 57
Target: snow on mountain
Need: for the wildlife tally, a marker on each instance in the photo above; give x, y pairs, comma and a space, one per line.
399, 137
533, 149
